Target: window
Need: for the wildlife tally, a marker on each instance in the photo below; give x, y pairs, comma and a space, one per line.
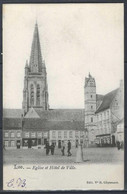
12, 143
18, 134
76, 134
6, 134
91, 119
45, 134
65, 134
107, 114
6, 143
70, 134
39, 134
27, 134
12, 134
91, 107
38, 95
53, 134
33, 134
31, 95
81, 133
91, 96
59, 134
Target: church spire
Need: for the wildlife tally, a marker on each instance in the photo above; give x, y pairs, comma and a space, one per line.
36, 62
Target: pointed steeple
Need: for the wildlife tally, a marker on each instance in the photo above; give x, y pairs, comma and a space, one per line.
36, 62
89, 75
26, 64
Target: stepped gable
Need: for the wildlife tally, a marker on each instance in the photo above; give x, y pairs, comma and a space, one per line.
107, 100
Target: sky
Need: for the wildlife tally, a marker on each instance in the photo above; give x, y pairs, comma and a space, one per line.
75, 39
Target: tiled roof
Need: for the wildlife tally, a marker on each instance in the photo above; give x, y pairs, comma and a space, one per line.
40, 124
12, 113
107, 99
12, 123
99, 97
62, 114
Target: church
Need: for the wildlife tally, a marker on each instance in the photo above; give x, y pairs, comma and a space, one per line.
35, 124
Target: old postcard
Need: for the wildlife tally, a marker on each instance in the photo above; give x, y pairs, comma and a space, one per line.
63, 102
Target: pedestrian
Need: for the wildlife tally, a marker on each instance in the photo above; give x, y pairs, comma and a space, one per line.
52, 148
121, 145
118, 145
47, 148
69, 148
63, 148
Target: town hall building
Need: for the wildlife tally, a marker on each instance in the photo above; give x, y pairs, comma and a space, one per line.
102, 114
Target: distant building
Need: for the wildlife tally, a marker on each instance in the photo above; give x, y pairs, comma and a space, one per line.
120, 131
102, 114
38, 127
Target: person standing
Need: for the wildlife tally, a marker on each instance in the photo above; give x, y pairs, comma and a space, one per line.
69, 148
63, 148
52, 148
118, 145
47, 148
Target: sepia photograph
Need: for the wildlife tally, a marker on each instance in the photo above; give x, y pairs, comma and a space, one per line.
63, 96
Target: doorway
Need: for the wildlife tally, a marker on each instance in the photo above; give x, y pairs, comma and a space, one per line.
59, 143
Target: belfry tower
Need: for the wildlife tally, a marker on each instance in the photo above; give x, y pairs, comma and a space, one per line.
90, 107
35, 93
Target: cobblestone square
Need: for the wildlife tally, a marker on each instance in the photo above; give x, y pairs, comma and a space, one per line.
38, 156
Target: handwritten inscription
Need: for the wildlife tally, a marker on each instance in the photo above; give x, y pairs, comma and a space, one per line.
16, 183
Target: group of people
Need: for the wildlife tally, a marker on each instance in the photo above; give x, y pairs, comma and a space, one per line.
68, 148
51, 148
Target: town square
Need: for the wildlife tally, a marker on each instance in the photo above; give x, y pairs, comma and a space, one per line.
38, 156
63, 96
93, 133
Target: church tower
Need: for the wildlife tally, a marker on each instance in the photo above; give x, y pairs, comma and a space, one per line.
35, 93
90, 108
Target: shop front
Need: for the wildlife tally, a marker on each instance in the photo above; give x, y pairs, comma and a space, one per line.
103, 140
31, 142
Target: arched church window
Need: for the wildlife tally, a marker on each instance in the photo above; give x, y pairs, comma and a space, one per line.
38, 95
31, 95
46, 100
